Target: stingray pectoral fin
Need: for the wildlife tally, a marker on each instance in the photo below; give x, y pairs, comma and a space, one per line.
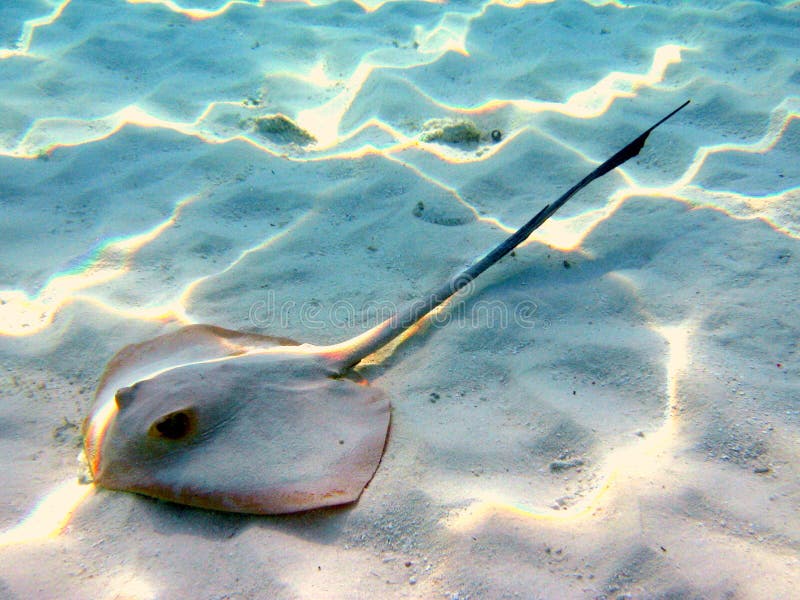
324, 458
193, 343
135, 362
264, 434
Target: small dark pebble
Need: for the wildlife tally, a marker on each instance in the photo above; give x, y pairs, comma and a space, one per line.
567, 264
761, 470
497, 135
558, 466
434, 397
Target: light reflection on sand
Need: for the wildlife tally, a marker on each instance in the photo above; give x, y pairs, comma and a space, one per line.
323, 122
30, 26
26, 316
48, 134
734, 204
23, 315
366, 5
622, 466
50, 516
200, 14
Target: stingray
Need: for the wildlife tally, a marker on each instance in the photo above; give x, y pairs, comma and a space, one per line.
240, 422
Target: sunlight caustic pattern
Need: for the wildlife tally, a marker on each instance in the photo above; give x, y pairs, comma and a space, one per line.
366, 5
734, 204
205, 13
641, 459
23, 45
50, 516
21, 315
41, 139
26, 316
49, 133
324, 118
200, 14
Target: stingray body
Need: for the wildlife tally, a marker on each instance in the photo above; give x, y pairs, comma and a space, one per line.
239, 422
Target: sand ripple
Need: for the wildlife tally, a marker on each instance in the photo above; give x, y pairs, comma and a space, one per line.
610, 407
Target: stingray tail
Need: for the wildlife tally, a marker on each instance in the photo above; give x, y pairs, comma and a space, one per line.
348, 354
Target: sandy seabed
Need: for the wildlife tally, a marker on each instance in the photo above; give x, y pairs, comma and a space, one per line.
611, 412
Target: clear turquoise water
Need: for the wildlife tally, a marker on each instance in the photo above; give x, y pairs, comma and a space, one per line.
147, 181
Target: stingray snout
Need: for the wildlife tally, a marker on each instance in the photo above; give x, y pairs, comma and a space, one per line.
125, 396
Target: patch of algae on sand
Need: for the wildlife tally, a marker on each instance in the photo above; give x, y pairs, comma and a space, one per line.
282, 129
450, 131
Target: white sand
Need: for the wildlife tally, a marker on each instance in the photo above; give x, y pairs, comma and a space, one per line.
137, 196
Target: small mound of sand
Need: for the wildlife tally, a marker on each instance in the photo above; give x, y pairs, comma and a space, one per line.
451, 131
438, 212
282, 129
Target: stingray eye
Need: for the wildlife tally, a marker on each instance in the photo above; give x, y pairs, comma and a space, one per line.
174, 426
